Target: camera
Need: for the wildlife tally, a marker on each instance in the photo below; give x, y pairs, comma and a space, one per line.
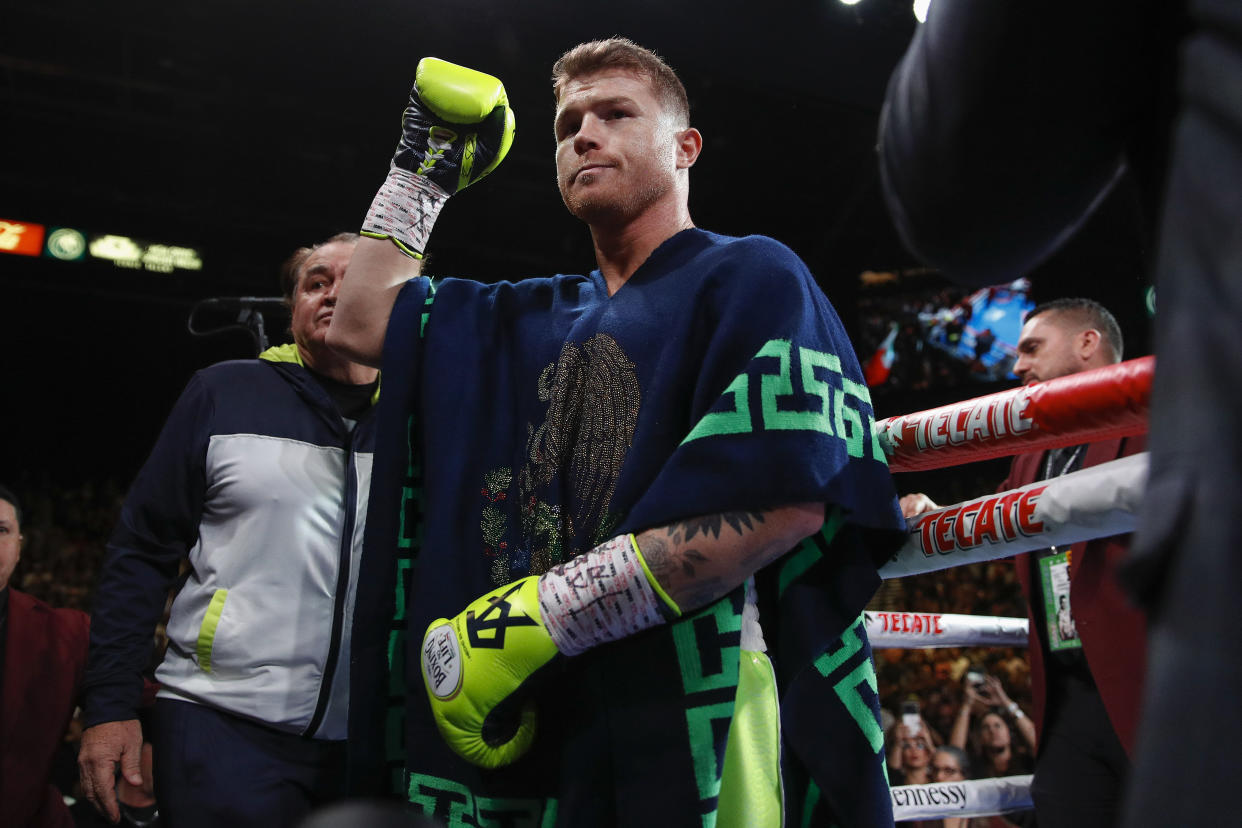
975, 676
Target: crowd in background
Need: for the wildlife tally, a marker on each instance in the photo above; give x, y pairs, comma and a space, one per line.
66, 528
964, 730
935, 675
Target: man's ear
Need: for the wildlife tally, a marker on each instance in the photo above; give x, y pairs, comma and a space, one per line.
1089, 343
689, 145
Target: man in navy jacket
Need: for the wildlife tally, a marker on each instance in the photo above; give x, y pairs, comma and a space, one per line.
257, 490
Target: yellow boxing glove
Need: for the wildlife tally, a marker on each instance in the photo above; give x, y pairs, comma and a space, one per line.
476, 664
456, 129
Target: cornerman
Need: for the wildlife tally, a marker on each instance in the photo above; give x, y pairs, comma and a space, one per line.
259, 480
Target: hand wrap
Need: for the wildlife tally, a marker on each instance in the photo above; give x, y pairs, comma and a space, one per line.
601, 596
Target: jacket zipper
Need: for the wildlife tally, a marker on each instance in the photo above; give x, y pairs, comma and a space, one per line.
342, 584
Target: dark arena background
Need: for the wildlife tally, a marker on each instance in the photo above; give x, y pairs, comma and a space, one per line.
208, 140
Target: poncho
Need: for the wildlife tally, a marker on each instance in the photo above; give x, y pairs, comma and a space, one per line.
522, 424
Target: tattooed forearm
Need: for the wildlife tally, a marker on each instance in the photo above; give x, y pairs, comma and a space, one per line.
679, 571
656, 552
701, 593
696, 560
710, 525
689, 557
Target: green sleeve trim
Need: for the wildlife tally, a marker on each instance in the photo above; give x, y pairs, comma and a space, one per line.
207, 630
651, 579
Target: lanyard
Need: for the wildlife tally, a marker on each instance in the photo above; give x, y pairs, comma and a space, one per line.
1048, 474
1048, 463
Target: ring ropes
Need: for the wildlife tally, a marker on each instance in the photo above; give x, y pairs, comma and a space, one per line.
1099, 501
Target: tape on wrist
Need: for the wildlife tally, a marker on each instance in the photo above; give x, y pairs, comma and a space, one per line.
601, 595
404, 210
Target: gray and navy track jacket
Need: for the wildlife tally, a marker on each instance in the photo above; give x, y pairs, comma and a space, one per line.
262, 484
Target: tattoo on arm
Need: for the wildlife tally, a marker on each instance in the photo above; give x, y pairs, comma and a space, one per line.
689, 557
699, 559
710, 525
656, 553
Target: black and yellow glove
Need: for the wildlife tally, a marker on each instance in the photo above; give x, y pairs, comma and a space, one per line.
479, 666
455, 130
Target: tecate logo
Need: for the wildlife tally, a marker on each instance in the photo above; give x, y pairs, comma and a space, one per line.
442, 662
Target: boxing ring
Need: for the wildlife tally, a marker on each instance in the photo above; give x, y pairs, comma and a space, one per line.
1096, 502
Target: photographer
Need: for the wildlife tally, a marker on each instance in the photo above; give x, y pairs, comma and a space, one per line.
995, 753
911, 742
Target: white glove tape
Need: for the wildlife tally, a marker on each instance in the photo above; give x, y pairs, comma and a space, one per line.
599, 596
405, 210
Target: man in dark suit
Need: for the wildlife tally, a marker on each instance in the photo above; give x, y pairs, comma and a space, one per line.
1087, 643
42, 658
1086, 669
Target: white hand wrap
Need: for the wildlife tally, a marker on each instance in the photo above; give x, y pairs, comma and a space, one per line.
599, 596
405, 210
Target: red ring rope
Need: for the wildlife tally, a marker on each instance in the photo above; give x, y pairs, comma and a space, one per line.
1091, 405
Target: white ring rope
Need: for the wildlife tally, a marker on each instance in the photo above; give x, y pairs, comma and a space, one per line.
1096, 502
914, 630
968, 798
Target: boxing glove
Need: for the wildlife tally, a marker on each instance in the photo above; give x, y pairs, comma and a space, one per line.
456, 128
479, 667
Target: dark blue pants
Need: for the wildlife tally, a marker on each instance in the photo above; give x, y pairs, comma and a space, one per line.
213, 769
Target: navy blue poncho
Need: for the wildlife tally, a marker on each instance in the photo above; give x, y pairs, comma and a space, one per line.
523, 423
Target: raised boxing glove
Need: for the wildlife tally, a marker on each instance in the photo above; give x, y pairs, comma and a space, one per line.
456, 129
479, 666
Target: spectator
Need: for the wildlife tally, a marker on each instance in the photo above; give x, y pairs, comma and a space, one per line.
909, 755
42, 658
995, 753
910, 747
951, 764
